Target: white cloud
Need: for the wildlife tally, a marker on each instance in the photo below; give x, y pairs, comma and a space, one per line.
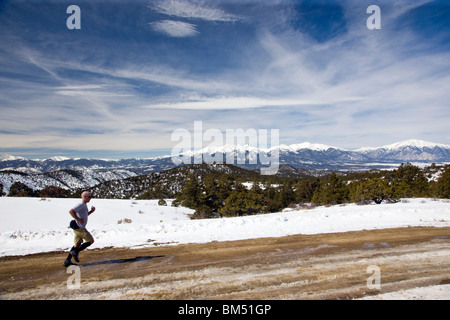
235, 103
91, 90
192, 10
176, 29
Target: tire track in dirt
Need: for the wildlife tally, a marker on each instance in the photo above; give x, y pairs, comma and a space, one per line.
324, 266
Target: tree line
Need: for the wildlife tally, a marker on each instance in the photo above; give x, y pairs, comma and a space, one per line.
227, 196
237, 192
20, 189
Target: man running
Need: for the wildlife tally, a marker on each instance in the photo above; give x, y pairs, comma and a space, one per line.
80, 213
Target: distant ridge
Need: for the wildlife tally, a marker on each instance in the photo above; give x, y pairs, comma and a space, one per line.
412, 143
304, 155
409, 143
297, 160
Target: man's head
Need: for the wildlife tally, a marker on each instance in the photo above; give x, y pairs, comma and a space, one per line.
86, 196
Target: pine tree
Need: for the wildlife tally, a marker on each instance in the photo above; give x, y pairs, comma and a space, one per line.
19, 189
235, 203
53, 192
286, 195
443, 184
191, 193
331, 191
409, 181
225, 187
272, 201
210, 197
375, 189
304, 190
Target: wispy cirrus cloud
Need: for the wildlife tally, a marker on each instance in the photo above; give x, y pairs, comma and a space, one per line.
186, 9
191, 9
176, 29
92, 90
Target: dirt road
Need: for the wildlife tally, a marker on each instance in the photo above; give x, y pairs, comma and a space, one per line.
325, 266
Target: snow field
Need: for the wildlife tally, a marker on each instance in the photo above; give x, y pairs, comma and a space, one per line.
33, 225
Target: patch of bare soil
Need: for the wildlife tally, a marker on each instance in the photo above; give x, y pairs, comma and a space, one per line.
325, 266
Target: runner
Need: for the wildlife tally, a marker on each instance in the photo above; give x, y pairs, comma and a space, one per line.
80, 213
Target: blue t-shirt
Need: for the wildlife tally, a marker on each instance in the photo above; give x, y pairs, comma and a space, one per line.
82, 212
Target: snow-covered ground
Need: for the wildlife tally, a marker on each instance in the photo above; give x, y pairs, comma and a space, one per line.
32, 225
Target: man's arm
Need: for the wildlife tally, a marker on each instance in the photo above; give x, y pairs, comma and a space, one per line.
74, 215
92, 210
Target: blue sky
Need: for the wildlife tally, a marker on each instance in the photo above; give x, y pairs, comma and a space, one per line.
138, 70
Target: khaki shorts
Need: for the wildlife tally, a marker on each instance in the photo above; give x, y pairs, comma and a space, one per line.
82, 234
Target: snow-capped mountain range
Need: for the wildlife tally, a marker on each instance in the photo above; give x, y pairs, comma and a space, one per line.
75, 173
410, 150
320, 156
305, 154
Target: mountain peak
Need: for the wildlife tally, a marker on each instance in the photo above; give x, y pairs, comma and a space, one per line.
9, 157
59, 158
415, 143
305, 146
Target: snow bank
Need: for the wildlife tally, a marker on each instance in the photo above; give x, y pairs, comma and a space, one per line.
32, 225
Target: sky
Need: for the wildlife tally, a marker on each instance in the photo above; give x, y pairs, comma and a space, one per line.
136, 71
